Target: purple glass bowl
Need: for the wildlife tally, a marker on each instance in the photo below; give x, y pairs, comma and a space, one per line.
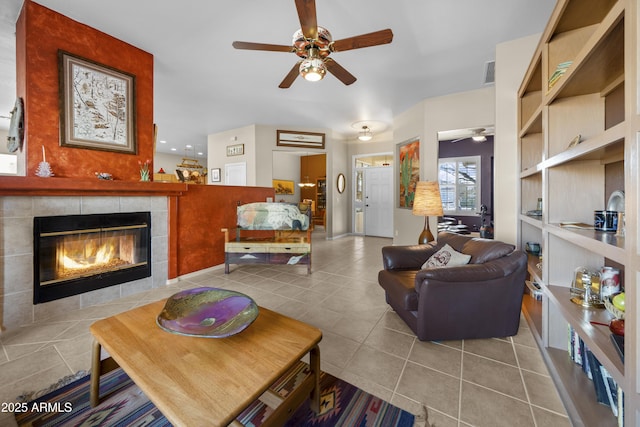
207, 312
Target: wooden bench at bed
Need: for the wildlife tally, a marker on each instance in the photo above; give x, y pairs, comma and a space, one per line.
270, 233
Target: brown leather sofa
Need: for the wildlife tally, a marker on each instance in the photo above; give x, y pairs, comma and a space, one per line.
481, 299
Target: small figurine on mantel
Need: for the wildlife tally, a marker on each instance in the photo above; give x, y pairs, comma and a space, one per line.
44, 168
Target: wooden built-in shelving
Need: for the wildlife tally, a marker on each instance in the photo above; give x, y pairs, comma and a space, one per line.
595, 42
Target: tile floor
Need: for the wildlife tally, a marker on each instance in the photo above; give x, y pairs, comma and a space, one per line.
493, 382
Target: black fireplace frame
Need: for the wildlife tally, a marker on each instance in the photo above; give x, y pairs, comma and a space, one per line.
78, 286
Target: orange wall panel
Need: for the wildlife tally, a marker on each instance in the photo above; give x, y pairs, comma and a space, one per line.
202, 212
40, 33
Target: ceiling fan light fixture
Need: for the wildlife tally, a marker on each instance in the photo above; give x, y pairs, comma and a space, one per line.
312, 68
365, 134
479, 138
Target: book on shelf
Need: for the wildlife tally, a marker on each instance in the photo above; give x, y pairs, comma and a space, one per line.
620, 407
598, 381
607, 391
612, 390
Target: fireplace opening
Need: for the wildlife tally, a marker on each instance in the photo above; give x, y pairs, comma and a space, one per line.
74, 254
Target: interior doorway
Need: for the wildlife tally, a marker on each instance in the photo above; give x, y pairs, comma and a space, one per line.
373, 195
465, 174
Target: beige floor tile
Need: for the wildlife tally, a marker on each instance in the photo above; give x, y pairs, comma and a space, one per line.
437, 356
7, 420
391, 320
390, 341
354, 328
30, 364
493, 349
364, 341
531, 359
494, 375
416, 408
321, 317
542, 392
546, 418
482, 407
439, 419
382, 368
336, 349
524, 336
433, 388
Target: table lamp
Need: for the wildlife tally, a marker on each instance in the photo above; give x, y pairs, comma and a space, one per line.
427, 202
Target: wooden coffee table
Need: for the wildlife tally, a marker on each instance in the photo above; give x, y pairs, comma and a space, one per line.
198, 381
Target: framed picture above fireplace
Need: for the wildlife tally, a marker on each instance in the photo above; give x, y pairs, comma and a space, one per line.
97, 105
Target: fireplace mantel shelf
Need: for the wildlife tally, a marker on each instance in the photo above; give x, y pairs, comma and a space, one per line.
35, 186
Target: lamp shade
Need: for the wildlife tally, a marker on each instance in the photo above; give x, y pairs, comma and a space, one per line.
427, 201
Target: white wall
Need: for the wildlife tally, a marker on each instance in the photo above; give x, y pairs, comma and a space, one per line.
217, 152
260, 143
381, 143
457, 111
338, 204
512, 60
407, 125
286, 166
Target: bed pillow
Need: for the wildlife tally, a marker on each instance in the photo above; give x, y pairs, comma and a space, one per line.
446, 257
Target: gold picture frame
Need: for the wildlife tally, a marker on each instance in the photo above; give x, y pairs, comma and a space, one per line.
97, 105
283, 186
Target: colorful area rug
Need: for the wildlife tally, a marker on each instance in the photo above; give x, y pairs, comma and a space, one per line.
342, 404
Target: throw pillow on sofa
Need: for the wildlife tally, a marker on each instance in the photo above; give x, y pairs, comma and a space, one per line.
446, 257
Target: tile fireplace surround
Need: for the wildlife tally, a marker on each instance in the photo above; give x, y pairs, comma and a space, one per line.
16, 252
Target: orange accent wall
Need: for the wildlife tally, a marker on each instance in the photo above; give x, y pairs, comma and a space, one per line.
40, 32
201, 213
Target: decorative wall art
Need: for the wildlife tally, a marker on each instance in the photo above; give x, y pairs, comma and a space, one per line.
215, 175
290, 138
235, 150
97, 106
409, 167
283, 187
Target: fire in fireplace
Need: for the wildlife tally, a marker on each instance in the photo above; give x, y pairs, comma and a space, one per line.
74, 254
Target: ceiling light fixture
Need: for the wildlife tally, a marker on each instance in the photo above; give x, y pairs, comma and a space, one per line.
479, 138
365, 134
312, 68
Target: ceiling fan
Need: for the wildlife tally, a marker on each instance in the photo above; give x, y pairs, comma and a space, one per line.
477, 135
313, 44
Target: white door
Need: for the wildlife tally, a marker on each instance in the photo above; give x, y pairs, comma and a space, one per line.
378, 201
235, 173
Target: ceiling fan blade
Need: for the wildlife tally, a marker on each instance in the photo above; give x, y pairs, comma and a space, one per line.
262, 46
337, 70
308, 19
291, 77
363, 40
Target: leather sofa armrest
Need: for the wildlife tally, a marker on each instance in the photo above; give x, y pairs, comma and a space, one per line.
407, 256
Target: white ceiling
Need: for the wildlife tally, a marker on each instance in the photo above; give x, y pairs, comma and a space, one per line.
203, 86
